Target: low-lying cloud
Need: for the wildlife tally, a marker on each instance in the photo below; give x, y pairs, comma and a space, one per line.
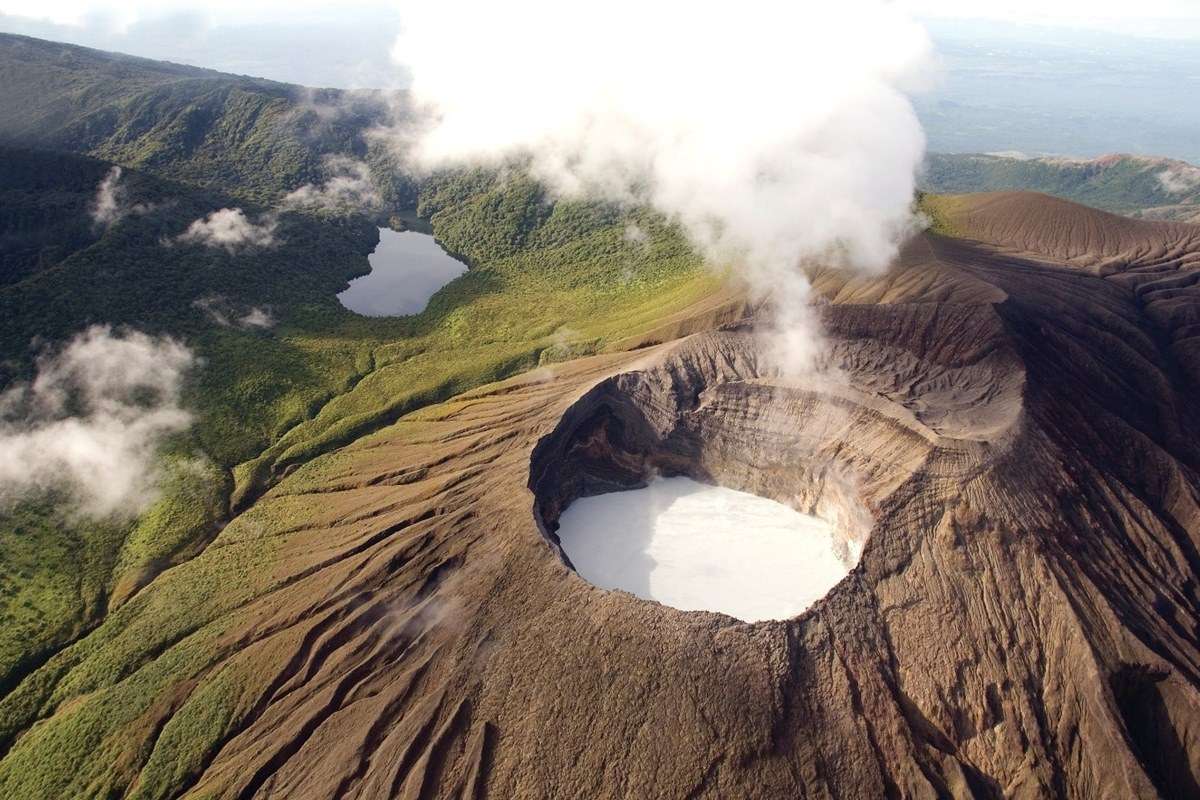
1180, 179
775, 134
228, 314
348, 188
231, 230
111, 203
91, 422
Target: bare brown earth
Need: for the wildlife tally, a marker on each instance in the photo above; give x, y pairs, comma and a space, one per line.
1011, 420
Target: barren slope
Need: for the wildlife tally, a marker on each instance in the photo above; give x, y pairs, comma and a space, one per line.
1017, 437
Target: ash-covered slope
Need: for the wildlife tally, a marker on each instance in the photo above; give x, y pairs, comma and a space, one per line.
1046, 227
1017, 439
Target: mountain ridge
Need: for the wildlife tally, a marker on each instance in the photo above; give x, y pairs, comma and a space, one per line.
1147, 187
251, 137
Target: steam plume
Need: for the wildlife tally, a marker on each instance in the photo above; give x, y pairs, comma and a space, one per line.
92, 420
773, 133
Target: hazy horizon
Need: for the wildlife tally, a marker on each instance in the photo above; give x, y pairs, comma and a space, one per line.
1023, 81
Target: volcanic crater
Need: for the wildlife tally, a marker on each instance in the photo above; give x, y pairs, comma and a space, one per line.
1010, 436
1008, 426
708, 412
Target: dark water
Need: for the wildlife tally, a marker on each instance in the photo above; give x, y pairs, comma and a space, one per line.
406, 269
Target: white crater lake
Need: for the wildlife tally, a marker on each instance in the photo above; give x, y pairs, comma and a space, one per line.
407, 268
703, 548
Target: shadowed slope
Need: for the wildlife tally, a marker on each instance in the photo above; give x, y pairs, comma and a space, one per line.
1158, 262
253, 138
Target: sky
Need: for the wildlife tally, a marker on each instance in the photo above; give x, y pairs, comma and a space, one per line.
346, 45
315, 44
1173, 19
1069, 77
1167, 18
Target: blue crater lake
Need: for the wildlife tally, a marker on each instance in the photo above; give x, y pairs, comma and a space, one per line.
407, 268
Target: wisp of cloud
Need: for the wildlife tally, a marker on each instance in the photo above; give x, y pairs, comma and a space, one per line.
231, 230
91, 422
774, 133
230, 314
1180, 179
111, 204
347, 188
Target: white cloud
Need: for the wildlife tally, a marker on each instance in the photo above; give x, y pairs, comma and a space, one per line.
1180, 179
231, 230
106, 208
348, 188
227, 314
257, 318
634, 234
775, 134
111, 203
91, 422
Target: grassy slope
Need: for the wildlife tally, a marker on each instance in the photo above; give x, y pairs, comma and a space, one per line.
500, 318
198, 141
549, 281
546, 277
57, 575
1122, 184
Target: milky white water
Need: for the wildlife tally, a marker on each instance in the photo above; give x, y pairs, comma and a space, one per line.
407, 268
698, 547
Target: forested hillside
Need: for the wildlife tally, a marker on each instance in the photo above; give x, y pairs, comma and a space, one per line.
1153, 188
253, 138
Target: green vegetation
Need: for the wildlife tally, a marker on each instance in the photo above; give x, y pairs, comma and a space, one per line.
251, 138
53, 579
58, 573
544, 274
44, 202
940, 211
550, 280
1129, 185
95, 633
560, 280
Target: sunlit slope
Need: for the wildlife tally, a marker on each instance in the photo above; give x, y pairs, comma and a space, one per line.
1041, 225
1157, 263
